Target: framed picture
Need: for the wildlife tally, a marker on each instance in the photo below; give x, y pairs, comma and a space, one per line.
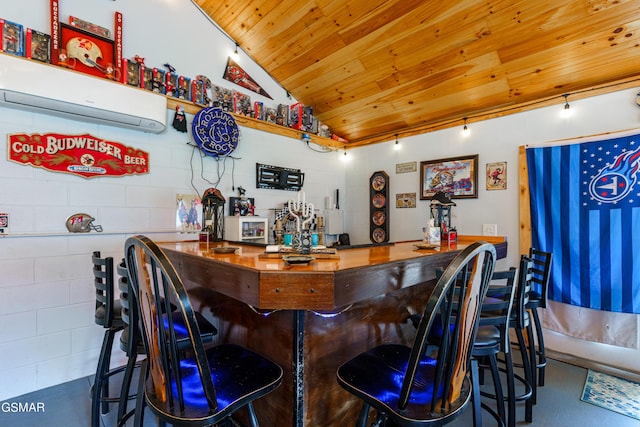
405, 200
456, 176
93, 54
497, 176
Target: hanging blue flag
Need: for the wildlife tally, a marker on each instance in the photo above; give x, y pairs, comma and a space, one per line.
585, 208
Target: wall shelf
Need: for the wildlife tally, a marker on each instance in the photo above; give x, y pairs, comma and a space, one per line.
191, 108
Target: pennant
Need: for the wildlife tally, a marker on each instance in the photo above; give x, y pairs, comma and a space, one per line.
235, 74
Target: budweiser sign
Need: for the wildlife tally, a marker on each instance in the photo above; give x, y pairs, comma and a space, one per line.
83, 155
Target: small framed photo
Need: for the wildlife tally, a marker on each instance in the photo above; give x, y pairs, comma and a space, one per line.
455, 176
37, 45
497, 176
12, 38
405, 200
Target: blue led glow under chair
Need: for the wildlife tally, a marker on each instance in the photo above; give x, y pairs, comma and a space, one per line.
419, 385
186, 384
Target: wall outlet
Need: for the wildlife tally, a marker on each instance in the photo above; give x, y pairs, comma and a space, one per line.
489, 229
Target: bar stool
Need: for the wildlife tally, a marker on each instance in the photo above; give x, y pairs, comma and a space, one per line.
131, 339
188, 384
538, 299
406, 385
108, 314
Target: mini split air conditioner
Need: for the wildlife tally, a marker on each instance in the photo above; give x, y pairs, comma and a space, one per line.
48, 89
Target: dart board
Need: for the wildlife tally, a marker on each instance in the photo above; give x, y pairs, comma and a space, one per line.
215, 131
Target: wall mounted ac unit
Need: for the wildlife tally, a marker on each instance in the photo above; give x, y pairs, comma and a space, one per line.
48, 89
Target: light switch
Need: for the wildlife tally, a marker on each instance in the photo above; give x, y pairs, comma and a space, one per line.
489, 229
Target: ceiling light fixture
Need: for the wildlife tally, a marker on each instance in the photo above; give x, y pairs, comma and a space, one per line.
465, 128
396, 145
236, 55
566, 111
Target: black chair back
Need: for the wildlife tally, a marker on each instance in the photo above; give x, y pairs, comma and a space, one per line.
103, 281
525, 277
180, 388
463, 284
498, 303
156, 283
541, 273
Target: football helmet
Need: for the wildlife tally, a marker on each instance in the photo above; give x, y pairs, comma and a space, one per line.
82, 223
84, 50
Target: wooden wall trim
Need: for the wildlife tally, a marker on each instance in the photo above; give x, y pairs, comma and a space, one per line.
525, 211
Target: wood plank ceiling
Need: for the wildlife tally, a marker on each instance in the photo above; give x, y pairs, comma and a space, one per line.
373, 69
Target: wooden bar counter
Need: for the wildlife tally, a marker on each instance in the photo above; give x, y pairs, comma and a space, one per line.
310, 318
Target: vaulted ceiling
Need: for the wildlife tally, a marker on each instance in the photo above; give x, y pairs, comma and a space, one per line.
374, 69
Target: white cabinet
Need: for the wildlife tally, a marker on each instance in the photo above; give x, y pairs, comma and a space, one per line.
250, 229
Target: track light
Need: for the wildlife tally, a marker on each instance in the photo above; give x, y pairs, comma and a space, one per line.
396, 145
465, 128
566, 111
236, 55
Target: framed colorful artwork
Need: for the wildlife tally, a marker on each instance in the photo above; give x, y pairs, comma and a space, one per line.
455, 176
93, 54
497, 176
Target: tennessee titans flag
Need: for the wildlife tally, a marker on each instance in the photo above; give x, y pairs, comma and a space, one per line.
585, 208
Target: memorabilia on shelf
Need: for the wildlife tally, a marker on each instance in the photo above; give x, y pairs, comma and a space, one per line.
184, 88
82, 223
197, 92
379, 208
235, 74
147, 78
282, 115
92, 52
270, 115
112, 73
64, 60
12, 38
139, 59
258, 110
242, 104
90, 27
37, 45
222, 98
170, 67
307, 119
171, 84
206, 87
295, 115
157, 81
133, 73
